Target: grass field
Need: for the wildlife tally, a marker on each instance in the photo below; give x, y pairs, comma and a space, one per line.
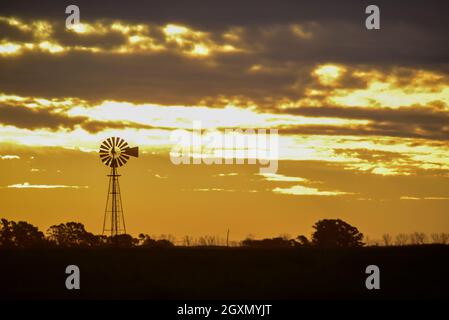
226, 273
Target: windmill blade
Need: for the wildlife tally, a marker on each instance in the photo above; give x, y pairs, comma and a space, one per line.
123, 160
110, 141
103, 152
108, 161
124, 147
121, 144
118, 142
105, 144
133, 152
104, 147
105, 158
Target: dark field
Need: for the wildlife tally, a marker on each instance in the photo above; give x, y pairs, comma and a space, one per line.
226, 273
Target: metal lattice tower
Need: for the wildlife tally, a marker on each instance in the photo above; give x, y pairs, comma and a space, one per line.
115, 152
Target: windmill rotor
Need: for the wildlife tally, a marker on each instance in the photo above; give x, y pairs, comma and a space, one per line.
115, 152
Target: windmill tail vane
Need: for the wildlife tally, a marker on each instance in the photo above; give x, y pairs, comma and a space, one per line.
114, 153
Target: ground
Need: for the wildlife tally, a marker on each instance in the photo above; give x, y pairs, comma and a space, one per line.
226, 273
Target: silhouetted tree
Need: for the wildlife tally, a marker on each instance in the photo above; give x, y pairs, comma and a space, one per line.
123, 241
336, 233
441, 238
72, 234
401, 239
6, 235
208, 241
168, 237
269, 243
187, 241
417, 238
164, 243
20, 235
387, 239
147, 241
302, 240
99, 241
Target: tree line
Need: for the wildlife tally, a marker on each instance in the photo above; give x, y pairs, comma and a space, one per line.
68, 235
327, 233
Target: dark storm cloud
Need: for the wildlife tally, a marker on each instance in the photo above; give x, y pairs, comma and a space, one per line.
26, 118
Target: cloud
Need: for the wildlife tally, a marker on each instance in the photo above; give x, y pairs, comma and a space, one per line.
314, 75
281, 178
9, 157
406, 122
114, 37
423, 23
423, 198
27, 185
299, 190
214, 189
38, 118
177, 59
23, 117
408, 115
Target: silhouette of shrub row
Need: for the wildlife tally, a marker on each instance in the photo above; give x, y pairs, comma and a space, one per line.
67, 235
328, 233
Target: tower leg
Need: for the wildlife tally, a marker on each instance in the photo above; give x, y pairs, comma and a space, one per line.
114, 220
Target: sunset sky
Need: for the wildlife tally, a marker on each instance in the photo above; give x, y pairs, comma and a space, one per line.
362, 116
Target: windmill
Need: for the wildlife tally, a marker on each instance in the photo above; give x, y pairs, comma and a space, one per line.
115, 152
